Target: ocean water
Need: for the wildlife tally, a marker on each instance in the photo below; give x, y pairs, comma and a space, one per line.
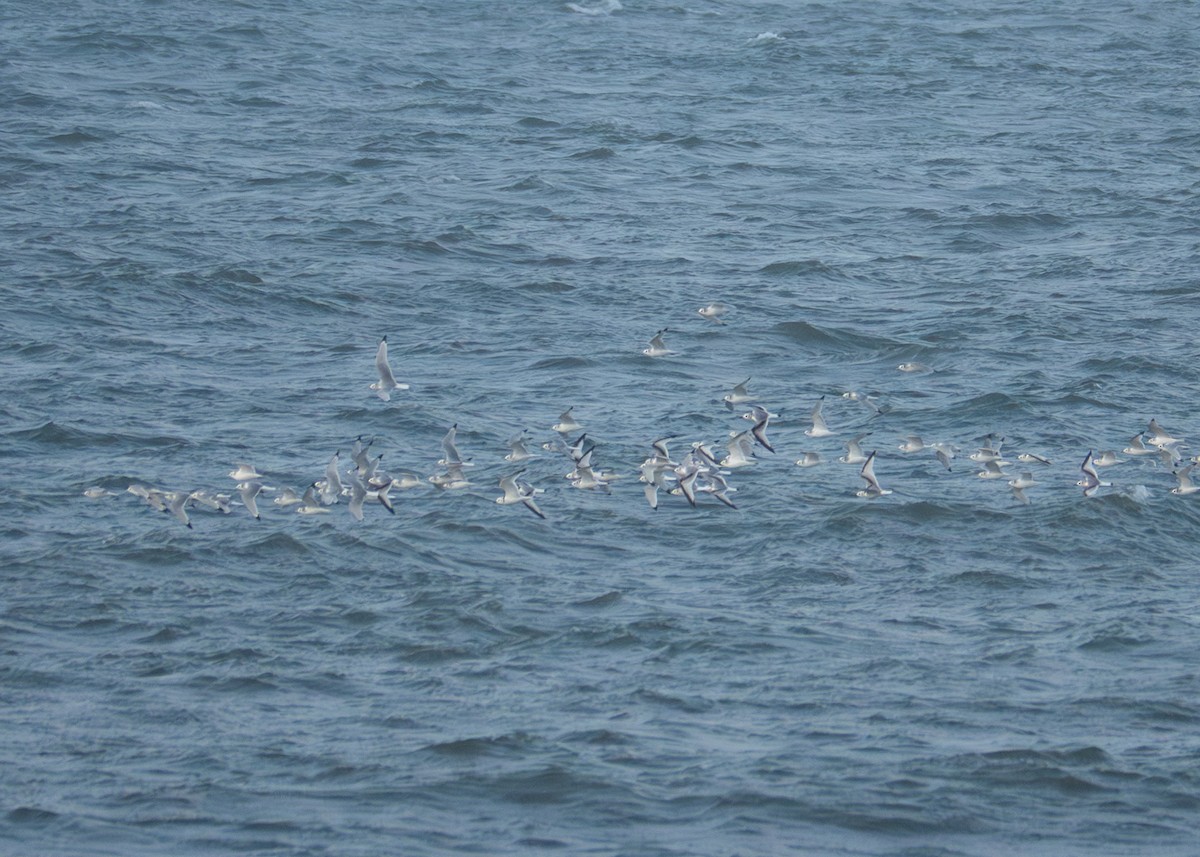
212, 213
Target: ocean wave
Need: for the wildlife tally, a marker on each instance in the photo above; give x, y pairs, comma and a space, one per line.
600, 153
816, 336
471, 748
802, 267
766, 38
603, 7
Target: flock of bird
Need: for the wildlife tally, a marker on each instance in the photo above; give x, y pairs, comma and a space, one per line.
703, 470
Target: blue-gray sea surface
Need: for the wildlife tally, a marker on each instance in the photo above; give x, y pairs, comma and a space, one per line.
213, 212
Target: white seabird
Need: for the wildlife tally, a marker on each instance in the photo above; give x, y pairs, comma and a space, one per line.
331, 488
153, 497
387, 381
712, 482
1091, 479
657, 347
453, 479
566, 423
740, 395
1160, 437
244, 473
287, 497
854, 452
587, 479
660, 449
577, 448
359, 454
945, 452
867, 401
175, 505
216, 502
359, 492
809, 459
654, 474
873, 489
992, 469
686, 474
517, 449
405, 480
758, 413
760, 433
1138, 447
450, 454
309, 504
1186, 485
1020, 484
741, 450
991, 452
1170, 454
819, 426
516, 492
249, 491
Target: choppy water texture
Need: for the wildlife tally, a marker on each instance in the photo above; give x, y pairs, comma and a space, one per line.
211, 214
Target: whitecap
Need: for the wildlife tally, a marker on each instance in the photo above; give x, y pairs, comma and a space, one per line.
1139, 493
605, 8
